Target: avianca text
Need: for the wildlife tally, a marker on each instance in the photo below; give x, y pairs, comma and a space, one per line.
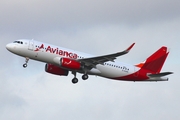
61, 52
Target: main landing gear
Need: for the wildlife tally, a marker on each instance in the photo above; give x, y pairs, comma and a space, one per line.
26, 61
75, 80
85, 77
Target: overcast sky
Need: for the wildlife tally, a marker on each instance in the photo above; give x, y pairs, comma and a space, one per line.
97, 27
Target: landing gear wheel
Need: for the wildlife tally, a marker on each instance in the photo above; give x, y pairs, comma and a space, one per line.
85, 77
26, 61
25, 65
74, 80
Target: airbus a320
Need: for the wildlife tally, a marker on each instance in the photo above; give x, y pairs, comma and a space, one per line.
60, 61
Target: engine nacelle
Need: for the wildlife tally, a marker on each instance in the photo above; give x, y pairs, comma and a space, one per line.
49, 68
70, 64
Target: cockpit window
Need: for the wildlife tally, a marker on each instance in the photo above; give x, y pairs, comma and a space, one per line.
19, 42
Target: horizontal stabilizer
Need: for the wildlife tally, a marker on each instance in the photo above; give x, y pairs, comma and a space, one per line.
160, 74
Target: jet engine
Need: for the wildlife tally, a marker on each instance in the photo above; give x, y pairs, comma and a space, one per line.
70, 64
49, 68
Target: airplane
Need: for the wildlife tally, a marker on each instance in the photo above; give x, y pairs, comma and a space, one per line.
60, 61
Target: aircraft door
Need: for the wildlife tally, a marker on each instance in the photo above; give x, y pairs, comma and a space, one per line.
31, 45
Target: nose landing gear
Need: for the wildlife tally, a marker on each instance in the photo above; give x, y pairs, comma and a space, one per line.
26, 61
25, 65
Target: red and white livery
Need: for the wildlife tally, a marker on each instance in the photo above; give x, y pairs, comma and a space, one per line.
60, 61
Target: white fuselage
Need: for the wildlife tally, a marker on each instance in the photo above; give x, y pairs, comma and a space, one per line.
48, 53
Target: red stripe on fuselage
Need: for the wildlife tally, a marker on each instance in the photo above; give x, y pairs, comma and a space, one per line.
140, 75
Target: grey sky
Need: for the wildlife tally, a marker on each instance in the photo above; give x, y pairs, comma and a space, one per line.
96, 27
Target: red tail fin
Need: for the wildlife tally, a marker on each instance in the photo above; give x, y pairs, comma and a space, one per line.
155, 62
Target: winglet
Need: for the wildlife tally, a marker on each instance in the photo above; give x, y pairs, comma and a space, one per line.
129, 48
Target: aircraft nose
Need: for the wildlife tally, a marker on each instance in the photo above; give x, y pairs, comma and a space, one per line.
9, 47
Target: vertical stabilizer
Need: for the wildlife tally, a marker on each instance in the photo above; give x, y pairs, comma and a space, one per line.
155, 62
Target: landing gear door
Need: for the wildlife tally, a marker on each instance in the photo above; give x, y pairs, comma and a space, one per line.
31, 45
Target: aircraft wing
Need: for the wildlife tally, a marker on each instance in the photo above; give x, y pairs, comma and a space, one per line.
93, 61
